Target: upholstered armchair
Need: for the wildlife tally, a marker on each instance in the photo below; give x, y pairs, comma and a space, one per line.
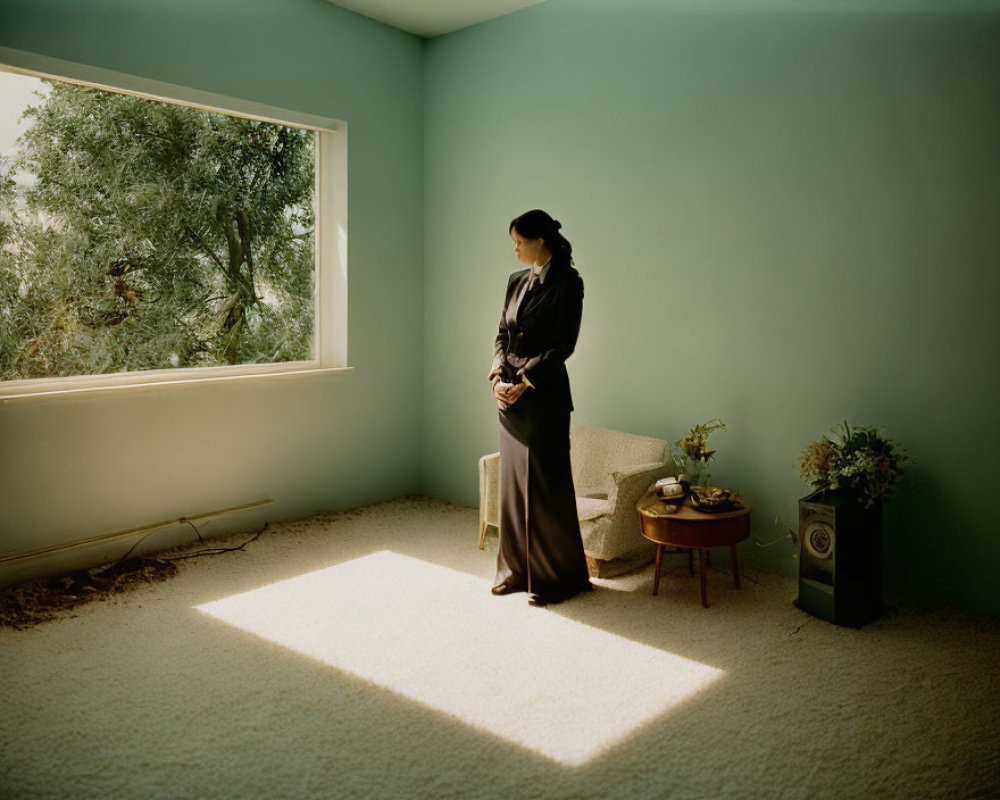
611, 471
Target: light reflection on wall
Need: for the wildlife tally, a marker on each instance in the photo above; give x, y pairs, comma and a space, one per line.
559, 687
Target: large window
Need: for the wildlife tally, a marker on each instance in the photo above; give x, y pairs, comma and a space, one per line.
144, 239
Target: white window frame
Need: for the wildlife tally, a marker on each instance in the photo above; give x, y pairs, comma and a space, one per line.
330, 208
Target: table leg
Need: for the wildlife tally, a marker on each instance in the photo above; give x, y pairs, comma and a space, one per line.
704, 588
736, 565
659, 560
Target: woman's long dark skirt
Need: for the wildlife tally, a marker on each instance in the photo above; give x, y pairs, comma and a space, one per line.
541, 549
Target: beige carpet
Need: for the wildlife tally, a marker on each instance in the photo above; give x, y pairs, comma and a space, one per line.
360, 655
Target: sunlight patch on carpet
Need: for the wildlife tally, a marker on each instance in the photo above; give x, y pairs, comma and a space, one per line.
531, 676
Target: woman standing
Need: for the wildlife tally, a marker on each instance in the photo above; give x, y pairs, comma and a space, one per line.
541, 550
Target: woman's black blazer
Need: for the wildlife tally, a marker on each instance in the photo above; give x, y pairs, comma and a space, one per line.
536, 338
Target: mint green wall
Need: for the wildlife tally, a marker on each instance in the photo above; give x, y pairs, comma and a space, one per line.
85, 465
805, 202
782, 219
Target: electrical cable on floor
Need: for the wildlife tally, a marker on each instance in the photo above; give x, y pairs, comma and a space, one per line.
214, 551
29, 603
761, 543
196, 531
790, 533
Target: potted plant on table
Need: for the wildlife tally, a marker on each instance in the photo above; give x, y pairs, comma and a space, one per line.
853, 471
691, 454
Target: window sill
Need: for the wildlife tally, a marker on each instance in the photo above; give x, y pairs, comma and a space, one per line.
137, 381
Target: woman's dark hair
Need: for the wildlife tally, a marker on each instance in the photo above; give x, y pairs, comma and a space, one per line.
536, 224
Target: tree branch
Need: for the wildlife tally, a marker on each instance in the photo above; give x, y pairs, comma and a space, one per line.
208, 250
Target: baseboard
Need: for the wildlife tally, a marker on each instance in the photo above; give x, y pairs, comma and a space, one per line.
73, 556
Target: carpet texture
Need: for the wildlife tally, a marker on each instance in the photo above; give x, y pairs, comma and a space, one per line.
361, 655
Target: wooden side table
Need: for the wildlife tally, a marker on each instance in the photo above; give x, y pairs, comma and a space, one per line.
691, 529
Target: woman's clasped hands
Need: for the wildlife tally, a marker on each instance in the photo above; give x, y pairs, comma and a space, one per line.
506, 394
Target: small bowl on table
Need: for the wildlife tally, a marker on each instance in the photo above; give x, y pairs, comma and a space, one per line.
713, 500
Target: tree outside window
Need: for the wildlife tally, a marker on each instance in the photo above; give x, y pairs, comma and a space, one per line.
137, 235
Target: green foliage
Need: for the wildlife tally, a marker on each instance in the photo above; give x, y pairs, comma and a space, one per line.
691, 454
857, 460
155, 236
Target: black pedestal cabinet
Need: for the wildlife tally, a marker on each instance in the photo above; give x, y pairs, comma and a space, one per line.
840, 559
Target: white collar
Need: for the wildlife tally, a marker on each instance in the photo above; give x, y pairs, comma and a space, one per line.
542, 271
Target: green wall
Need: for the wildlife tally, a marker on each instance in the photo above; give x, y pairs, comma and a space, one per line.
783, 219
85, 465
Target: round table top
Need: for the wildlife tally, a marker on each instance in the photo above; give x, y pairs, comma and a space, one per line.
650, 505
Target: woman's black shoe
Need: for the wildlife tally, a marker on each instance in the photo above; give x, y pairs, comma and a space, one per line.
505, 588
543, 599
535, 599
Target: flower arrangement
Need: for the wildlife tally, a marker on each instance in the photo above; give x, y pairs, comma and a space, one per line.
857, 460
691, 454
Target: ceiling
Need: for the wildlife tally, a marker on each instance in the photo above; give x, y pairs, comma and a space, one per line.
429, 18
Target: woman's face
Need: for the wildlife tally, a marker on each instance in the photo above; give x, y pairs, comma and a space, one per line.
527, 250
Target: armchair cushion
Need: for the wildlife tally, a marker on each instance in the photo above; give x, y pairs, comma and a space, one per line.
592, 508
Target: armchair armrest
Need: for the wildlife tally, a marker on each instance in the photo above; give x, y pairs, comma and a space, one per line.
634, 482
489, 470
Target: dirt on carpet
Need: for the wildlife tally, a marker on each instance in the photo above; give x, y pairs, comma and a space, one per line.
27, 604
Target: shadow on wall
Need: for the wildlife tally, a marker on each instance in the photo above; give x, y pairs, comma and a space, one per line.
924, 527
